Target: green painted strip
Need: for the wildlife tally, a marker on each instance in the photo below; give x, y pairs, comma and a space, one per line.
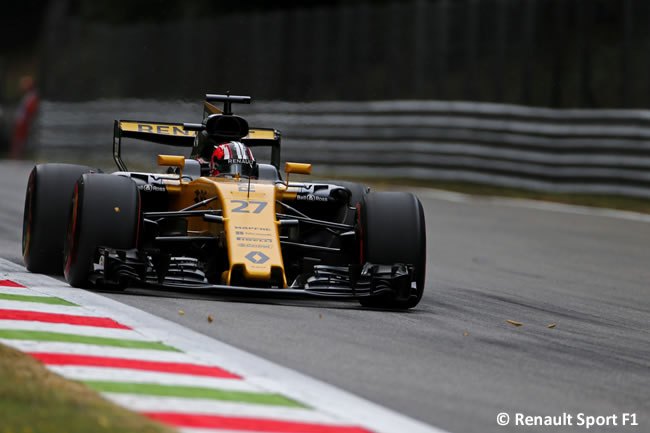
86, 339
192, 392
39, 299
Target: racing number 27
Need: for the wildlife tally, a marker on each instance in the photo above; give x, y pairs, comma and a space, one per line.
242, 206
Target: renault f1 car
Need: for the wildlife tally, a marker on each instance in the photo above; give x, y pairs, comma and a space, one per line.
248, 231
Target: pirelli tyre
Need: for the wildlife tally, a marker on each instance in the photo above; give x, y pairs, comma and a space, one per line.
392, 230
45, 218
105, 211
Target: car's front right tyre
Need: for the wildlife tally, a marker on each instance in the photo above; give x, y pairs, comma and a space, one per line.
45, 215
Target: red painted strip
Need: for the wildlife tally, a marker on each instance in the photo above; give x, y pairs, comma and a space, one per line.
9, 283
166, 367
100, 322
248, 424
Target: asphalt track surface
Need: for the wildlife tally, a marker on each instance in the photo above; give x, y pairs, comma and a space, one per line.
454, 361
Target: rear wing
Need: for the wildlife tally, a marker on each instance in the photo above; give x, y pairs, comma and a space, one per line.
183, 135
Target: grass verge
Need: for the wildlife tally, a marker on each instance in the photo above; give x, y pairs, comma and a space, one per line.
35, 400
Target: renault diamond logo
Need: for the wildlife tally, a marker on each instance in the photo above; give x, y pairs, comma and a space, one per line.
257, 257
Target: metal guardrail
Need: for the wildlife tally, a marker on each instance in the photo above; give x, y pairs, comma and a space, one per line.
587, 151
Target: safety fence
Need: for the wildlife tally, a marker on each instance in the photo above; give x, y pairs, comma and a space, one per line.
586, 151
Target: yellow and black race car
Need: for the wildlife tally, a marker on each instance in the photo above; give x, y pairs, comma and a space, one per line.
220, 220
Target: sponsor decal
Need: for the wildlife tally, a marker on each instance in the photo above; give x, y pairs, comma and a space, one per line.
239, 238
311, 197
238, 161
257, 257
249, 245
152, 188
261, 134
254, 237
156, 128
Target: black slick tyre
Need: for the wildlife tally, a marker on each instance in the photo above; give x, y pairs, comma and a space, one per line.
392, 230
105, 211
45, 217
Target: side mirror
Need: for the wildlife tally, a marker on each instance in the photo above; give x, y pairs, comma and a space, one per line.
173, 161
296, 167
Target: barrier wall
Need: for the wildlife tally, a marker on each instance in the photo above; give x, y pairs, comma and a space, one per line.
590, 151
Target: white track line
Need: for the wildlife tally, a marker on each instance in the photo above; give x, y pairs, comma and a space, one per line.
5, 290
200, 406
64, 328
457, 197
24, 278
96, 350
47, 308
161, 378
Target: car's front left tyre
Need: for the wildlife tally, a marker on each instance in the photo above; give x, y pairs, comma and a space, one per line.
392, 230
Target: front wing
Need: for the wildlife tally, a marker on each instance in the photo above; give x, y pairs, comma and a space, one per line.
326, 282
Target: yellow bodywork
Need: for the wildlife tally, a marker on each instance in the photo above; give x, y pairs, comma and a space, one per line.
249, 228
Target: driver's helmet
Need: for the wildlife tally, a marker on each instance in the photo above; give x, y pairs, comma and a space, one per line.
232, 158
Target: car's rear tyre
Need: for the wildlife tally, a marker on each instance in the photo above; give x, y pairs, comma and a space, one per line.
45, 217
392, 230
105, 211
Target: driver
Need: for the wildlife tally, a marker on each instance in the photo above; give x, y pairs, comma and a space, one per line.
231, 158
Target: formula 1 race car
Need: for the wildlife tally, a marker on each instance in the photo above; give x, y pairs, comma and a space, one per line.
220, 220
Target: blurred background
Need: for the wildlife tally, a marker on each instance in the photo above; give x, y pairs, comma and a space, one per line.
552, 53
542, 94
